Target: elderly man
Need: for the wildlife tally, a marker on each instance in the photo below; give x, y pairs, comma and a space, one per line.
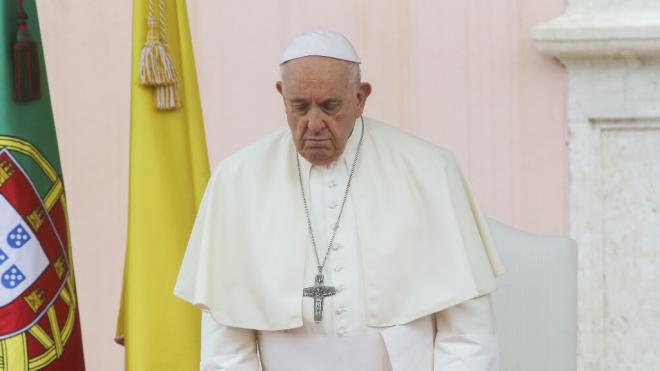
341, 244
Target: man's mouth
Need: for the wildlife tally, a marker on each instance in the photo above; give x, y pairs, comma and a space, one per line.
316, 142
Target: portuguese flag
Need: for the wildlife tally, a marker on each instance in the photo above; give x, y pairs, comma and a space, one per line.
39, 326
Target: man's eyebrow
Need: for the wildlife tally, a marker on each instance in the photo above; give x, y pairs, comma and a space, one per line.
333, 100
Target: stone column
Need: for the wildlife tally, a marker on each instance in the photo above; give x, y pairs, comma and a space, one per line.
611, 49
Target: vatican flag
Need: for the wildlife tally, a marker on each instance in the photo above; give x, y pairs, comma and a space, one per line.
168, 173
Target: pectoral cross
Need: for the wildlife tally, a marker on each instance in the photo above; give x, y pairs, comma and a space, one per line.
319, 292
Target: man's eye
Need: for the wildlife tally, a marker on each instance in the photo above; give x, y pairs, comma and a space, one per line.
330, 107
300, 108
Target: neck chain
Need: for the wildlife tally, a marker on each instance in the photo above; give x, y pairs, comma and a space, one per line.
319, 291
320, 263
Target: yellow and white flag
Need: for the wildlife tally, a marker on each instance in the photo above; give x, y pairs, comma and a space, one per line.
168, 173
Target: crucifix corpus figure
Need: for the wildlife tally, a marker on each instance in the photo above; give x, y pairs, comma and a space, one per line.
318, 292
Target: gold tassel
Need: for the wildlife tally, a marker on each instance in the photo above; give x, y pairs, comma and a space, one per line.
156, 67
167, 97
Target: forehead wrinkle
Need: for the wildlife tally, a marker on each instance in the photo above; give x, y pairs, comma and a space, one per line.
314, 90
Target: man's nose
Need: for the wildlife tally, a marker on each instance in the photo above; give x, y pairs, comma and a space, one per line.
315, 124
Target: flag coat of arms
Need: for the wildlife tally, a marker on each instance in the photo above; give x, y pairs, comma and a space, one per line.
39, 325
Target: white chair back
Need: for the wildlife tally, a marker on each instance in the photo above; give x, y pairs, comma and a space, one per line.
536, 301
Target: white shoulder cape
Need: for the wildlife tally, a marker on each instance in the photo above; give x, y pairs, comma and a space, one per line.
425, 243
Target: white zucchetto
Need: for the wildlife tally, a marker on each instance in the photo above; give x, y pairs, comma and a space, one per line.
320, 42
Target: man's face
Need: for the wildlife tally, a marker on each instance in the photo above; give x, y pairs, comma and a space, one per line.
322, 98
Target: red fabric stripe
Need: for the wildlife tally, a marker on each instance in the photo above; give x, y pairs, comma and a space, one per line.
28, 62
17, 74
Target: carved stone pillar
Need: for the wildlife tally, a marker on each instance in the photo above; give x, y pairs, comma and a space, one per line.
611, 49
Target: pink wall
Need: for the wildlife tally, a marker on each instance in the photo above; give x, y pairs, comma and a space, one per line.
462, 74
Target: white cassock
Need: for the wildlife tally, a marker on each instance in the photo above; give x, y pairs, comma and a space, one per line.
455, 333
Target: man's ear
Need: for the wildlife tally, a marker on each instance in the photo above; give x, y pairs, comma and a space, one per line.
278, 86
363, 93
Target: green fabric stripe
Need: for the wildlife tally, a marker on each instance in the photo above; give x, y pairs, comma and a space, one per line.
31, 121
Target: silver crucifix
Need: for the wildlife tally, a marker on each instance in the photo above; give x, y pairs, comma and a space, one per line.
319, 292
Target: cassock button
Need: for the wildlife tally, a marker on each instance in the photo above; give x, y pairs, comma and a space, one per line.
341, 331
332, 184
339, 268
333, 205
340, 288
340, 311
337, 246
